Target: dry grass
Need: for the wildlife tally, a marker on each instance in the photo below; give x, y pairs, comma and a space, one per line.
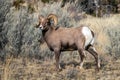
99, 24
26, 69
7, 70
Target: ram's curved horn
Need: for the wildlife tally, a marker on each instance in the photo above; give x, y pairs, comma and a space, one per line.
54, 17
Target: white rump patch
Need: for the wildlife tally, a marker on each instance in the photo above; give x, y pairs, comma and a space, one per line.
88, 36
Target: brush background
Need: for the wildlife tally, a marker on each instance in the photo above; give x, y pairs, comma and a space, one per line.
23, 57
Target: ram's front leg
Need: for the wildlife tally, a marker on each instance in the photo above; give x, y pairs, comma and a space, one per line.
57, 56
82, 56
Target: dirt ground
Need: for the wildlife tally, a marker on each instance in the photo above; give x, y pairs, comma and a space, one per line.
26, 69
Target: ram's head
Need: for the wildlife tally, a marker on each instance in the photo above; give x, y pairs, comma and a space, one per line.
46, 22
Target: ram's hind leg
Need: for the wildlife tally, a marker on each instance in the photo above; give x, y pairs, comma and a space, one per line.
92, 51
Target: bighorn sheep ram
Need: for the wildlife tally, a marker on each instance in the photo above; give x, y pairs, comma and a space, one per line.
67, 39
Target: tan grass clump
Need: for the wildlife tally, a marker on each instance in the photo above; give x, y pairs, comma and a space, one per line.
104, 29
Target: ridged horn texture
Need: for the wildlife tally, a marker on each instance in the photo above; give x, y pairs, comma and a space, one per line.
54, 17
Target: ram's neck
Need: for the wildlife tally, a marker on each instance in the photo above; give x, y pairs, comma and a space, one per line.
46, 33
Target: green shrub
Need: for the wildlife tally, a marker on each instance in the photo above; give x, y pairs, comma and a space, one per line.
114, 34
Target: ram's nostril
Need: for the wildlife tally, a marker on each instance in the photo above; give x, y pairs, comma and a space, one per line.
40, 26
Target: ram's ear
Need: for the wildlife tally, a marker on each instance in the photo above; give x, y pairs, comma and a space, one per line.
36, 25
40, 17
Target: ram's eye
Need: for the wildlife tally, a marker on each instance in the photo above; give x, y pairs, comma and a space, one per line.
47, 23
